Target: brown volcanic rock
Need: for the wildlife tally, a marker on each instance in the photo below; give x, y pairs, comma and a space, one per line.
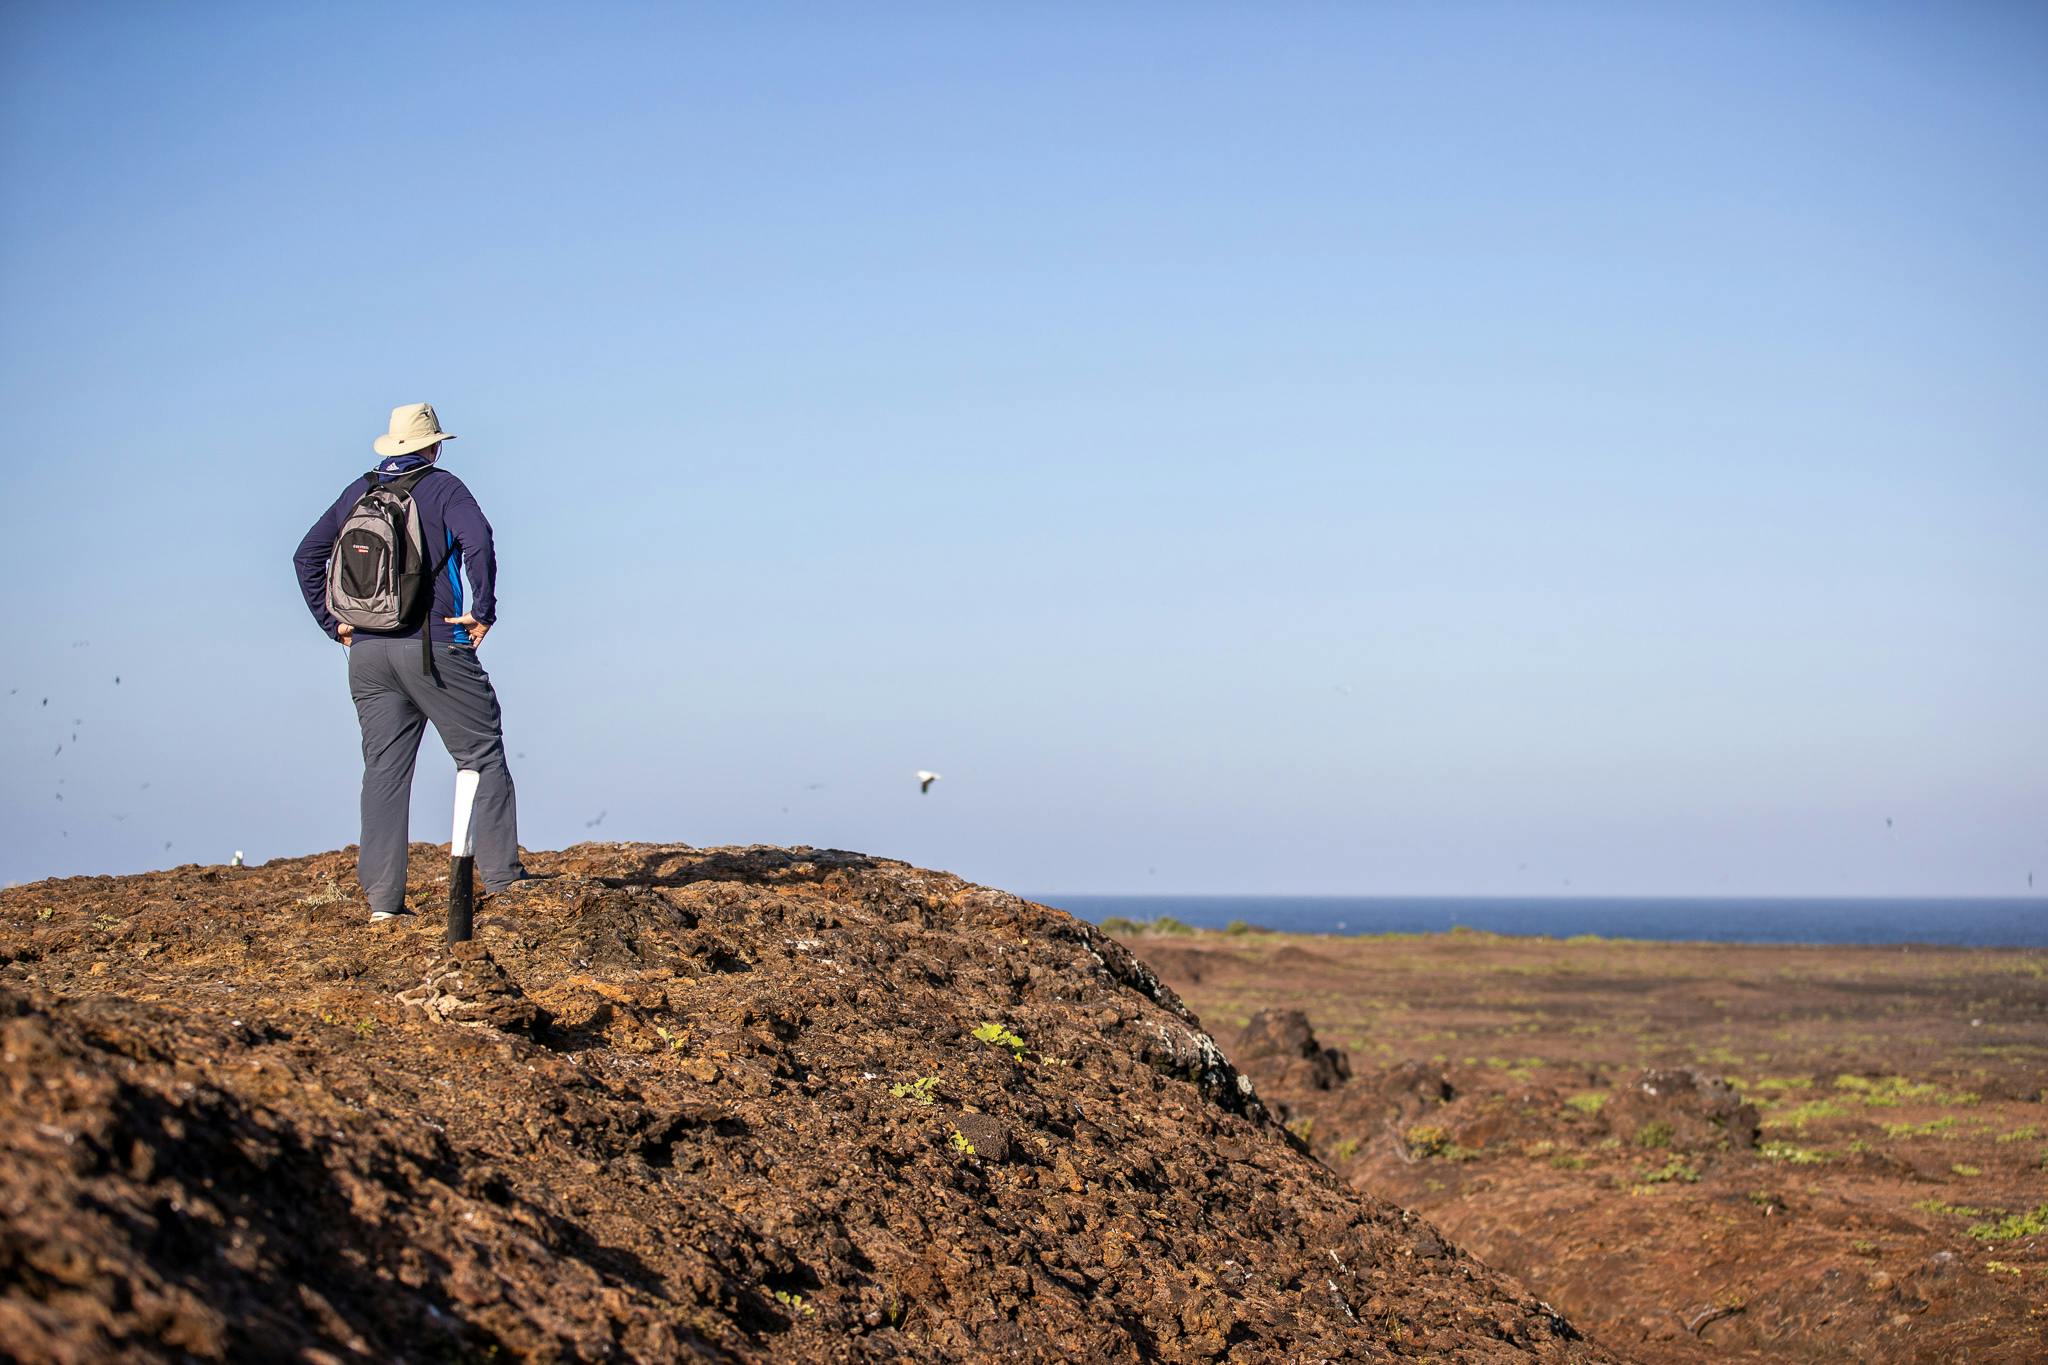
1685, 1109
1279, 1047
1404, 1090
704, 1108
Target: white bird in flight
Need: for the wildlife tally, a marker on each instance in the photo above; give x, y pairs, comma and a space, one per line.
925, 780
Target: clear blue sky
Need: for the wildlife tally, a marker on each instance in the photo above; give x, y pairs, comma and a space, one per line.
1351, 448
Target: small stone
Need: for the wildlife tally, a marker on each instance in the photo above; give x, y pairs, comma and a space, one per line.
987, 1134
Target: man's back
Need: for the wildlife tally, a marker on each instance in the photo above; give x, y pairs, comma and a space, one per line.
451, 524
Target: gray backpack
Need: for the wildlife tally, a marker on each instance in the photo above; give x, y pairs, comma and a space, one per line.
378, 574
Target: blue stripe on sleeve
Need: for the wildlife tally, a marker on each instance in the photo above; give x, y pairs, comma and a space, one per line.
455, 581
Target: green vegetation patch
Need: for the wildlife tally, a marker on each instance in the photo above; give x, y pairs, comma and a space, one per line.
1883, 1092
1122, 926
1589, 1102
2013, 1226
1434, 1143
1931, 1128
1655, 1133
1800, 1115
923, 1090
1674, 1170
995, 1035
1797, 1155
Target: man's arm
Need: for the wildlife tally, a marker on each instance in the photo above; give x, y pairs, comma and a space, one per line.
472, 532
310, 559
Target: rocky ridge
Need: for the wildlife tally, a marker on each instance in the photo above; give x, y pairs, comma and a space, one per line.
726, 1104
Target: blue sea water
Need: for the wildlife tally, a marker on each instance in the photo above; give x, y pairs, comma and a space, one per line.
1962, 922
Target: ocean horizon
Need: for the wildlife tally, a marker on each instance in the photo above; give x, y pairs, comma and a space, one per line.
1947, 921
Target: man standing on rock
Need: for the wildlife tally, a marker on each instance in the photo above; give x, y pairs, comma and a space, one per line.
374, 558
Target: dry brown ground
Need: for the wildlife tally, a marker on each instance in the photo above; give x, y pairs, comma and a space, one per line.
1892, 1210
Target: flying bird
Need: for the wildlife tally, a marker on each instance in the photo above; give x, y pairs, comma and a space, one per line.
593, 824
117, 680
1887, 822
925, 780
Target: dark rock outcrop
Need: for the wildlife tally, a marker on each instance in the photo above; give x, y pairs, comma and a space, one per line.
1279, 1047
1687, 1110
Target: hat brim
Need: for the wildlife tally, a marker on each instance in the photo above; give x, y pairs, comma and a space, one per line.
389, 446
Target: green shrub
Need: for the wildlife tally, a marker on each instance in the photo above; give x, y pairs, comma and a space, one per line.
1434, 1143
1812, 1109
1672, 1170
2013, 1226
923, 1090
995, 1035
1655, 1133
1918, 1130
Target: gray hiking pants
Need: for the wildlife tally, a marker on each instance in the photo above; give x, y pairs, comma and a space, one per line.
394, 701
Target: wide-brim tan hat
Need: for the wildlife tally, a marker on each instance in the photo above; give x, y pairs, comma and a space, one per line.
413, 427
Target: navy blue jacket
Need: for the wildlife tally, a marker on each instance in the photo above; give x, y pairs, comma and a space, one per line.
450, 520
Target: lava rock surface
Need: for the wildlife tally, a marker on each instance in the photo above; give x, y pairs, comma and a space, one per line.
726, 1104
